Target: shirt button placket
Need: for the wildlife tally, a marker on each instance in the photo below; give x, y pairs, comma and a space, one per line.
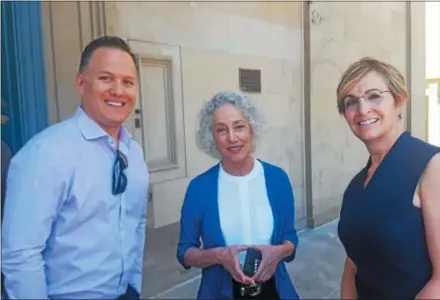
122, 233
121, 242
121, 228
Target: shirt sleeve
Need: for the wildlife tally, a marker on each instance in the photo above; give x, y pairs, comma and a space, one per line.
136, 278
190, 222
34, 190
289, 233
136, 274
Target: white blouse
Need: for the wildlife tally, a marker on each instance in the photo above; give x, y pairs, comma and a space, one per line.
245, 212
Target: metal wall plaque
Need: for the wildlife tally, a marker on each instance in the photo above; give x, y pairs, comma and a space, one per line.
250, 80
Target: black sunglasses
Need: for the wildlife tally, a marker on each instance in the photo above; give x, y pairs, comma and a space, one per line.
119, 178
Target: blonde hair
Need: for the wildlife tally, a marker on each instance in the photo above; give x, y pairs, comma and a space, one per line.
393, 78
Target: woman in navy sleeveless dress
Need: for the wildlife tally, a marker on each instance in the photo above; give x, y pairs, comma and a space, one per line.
390, 216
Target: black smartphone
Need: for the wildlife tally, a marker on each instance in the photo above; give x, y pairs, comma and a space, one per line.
252, 261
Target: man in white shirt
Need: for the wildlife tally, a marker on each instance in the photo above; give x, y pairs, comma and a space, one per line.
76, 198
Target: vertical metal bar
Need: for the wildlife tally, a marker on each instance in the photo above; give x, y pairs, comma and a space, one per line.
408, 64
307, 116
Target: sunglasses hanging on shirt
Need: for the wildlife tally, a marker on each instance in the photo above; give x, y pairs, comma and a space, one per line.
119, 183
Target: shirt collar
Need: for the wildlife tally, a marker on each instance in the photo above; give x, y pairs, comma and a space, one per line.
91, 130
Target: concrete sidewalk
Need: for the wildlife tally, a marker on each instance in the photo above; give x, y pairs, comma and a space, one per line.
316, 271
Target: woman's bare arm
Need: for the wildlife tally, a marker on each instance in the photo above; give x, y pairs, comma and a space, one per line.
225, 256
430, 203
348, 287
202, 258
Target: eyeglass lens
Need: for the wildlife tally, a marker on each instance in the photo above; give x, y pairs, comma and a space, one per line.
372, 98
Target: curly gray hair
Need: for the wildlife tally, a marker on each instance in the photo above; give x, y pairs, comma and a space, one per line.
205, 139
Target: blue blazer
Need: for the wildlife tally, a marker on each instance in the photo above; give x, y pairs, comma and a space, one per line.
200, 220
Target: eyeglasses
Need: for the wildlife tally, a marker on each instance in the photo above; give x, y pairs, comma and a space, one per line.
372, 97
119, 183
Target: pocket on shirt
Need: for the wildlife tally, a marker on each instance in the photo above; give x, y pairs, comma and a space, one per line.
136, 199
135, 207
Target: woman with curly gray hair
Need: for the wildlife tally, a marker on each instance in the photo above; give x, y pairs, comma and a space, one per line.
239, 208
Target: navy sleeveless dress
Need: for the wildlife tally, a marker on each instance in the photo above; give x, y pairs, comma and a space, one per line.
380, 228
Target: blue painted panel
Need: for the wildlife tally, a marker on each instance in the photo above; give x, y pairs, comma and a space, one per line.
10, 130
23, 73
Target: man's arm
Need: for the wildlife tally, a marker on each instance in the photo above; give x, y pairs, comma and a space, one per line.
33, 195
136, 278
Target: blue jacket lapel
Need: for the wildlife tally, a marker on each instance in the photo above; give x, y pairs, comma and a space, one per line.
272, 194
212, 193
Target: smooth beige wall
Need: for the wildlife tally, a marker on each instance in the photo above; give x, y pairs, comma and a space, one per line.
341, 33
418, 109
215, 40
67, 28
